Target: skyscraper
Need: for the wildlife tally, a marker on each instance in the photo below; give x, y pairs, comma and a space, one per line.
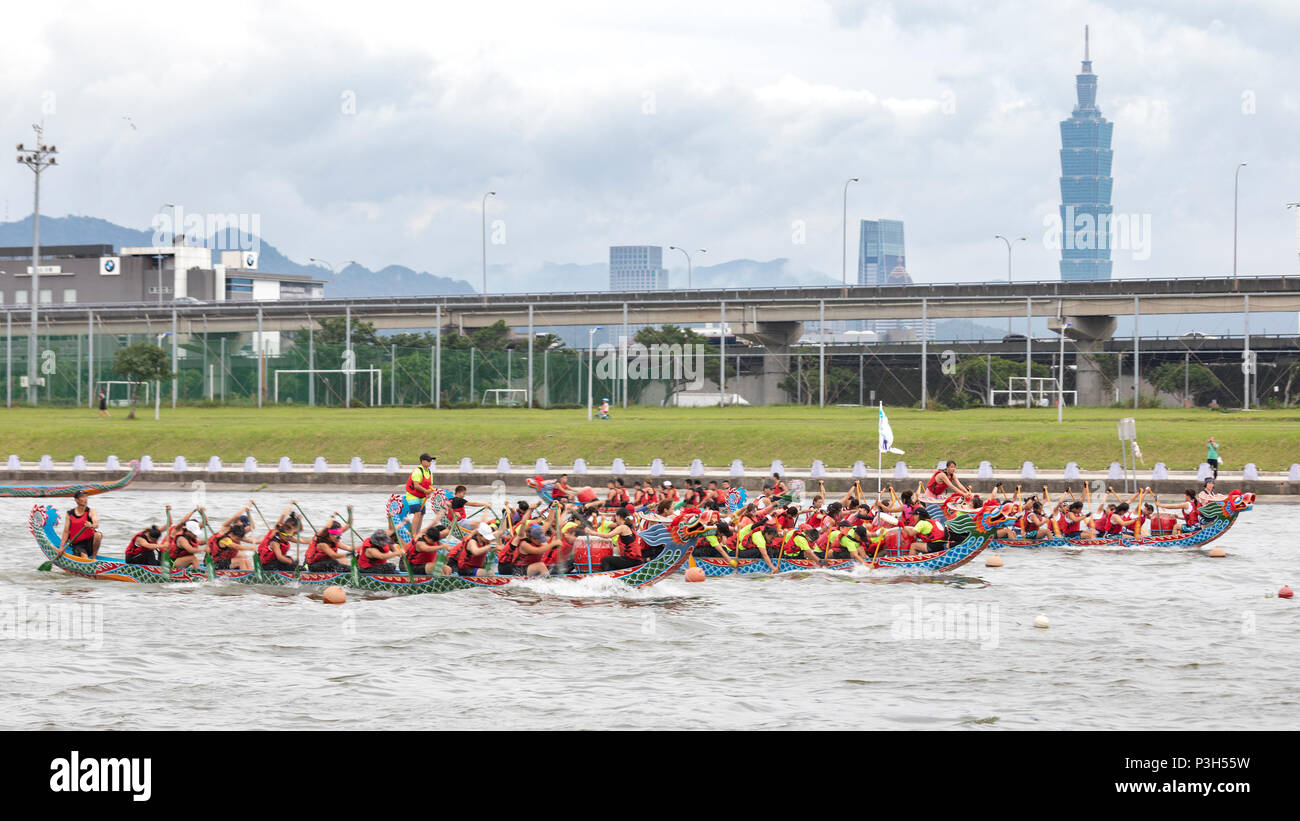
1085, 183
637, 268
880, 250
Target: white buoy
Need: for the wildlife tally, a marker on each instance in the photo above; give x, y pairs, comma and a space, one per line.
993, 560
1041, 621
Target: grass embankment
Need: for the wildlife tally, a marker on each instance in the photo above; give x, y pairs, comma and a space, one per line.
795, 435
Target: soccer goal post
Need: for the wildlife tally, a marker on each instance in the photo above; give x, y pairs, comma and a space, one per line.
376, 379
505, 396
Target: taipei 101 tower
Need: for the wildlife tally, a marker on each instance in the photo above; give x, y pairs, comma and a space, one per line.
1085, 183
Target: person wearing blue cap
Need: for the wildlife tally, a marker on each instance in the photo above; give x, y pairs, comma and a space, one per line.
603, 413
536, 552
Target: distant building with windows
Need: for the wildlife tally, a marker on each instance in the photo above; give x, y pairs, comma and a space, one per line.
1086, 183
902, 330
880, 250
637, 268
97, 274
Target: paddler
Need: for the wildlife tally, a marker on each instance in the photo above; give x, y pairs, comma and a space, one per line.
627, 547
273, 551
945, 482
418, 487
422, 555
81, 530
325, 554
144, 546
227, 546
186, 550
467, 558
375, 554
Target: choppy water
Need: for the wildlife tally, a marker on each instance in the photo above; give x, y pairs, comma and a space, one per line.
1137, 640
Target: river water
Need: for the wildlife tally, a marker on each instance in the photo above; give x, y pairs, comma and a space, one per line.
1137, 640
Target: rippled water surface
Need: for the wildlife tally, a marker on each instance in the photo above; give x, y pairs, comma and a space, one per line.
1137, 640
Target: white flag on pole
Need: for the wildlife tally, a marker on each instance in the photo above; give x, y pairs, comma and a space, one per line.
886, 433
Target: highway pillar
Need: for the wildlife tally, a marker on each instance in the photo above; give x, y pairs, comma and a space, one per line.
1088, 334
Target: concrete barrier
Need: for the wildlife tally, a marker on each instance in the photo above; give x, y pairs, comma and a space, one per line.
503, 465
657, 468
355, 465
111, 463
1160, 471
179, 465
47, 462
1250, 473
250, 465
319, 465
985, 470
1204, 472
214, 464
466, 465
900, 470
79, 462
1071, 471
579, 466
392, 466
542, 467
284, 466
1116, 472
14, 463
618, 468
859, 469
818, 470
146, 463
737, 468
697, 469
1027, 471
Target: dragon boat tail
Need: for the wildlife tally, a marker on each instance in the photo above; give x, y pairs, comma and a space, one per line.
91, 488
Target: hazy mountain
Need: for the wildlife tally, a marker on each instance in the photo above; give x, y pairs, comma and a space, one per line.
354, 280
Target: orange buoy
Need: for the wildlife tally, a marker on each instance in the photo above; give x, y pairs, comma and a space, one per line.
335, 595
993, 560
1216, 552
1285, 592
695, 574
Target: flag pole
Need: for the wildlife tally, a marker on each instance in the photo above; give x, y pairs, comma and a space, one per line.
879, 452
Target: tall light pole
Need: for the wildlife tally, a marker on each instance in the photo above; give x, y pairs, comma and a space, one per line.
1060, 374
1296, 206
1236, 182
38, 159
485, 196
1008, 242
591, 365
844, 235
688, 262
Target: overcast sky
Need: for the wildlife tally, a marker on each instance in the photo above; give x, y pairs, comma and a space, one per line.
724, 126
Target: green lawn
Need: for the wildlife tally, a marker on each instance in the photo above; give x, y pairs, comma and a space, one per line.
796, 435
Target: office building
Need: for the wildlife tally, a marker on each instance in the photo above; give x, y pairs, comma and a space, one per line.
1085, 183
637, 268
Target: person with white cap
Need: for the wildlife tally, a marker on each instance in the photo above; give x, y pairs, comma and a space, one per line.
669, 492
467, 557
187, 546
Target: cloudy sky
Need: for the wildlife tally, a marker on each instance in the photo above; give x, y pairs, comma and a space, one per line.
371, 131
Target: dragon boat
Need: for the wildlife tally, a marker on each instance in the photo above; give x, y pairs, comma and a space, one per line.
91, 488
977, 528
677, 539
1218, 517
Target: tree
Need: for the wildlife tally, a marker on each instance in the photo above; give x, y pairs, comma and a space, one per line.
1169, 378
971, 375
142, 362
334, 331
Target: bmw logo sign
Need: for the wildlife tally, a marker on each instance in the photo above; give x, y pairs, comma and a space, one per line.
109, 266
250, 261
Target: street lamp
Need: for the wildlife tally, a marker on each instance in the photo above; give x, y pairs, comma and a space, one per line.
159, 257
688, 262
1236, 182
591, 366
157, 383
1008, 242
1060, 376
333, 271
38, 159
485, 196
844, 235
1296, 206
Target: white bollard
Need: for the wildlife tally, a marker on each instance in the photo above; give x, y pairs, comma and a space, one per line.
737, 469
214, 464
356, 465
503, 465
1250, 473
818, 470
542, 467
1293, 475
46, 463
146, 462
579, 466
985, 471
618, 468
111, 463
657, 467
859, 470
250, 464
466, 465
900, 470
1027, 471
1204, 472
1071, 471
15, 464
179, 465
1160, 471
392, 466
320, 465
942, 463
79, 462
697, 468
285, 465
1116, 472
777, 467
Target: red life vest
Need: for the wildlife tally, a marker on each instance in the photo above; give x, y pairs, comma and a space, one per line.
266, 550
176, 550
464, 559
219, 552
1066, 524
1193, 515
315, 553
132, 549
79, 528
934, 487
364, 561
421, 489
631, 550
422, 553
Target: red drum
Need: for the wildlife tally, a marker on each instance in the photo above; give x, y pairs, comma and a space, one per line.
1162, 525
584, 558
586, 495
